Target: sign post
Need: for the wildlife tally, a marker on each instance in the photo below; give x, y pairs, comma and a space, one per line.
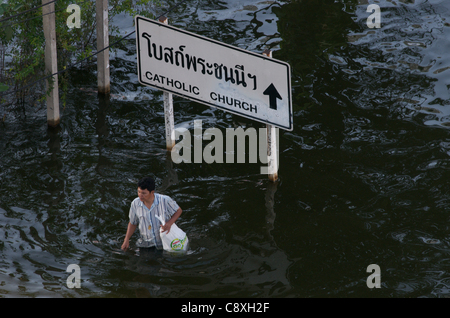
168, 110
272, 146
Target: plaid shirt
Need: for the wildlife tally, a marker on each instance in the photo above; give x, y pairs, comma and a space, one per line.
149, 225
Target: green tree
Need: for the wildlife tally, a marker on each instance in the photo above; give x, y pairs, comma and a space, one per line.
22, 41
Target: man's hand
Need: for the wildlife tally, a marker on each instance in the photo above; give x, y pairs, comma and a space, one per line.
166, 227
125, 245
130, 230
172, 220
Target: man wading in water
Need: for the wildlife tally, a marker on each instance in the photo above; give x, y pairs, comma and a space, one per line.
142, 212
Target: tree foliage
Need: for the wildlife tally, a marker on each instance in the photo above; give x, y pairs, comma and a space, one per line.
22, 42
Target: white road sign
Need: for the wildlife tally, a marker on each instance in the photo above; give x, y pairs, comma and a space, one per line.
213, 73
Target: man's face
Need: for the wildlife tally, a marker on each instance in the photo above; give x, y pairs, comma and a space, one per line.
144, 195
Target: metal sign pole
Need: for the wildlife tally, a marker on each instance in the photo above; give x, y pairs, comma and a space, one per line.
272, 145
168, 110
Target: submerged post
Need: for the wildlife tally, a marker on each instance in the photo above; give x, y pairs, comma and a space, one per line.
272, 149
168, 110
103, 80
51, 63
272, 146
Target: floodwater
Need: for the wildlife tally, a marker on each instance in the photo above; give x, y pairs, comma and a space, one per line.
363, 175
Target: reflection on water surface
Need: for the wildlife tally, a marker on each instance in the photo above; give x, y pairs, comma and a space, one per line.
363, 175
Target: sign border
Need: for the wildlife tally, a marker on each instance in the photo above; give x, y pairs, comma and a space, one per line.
201, 101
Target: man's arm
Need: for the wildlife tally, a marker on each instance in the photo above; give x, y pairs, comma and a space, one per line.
172, 220
130, 230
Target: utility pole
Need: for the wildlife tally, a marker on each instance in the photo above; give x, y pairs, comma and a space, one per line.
103, 79
51, 63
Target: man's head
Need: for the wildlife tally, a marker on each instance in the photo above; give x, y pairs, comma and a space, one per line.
146, 188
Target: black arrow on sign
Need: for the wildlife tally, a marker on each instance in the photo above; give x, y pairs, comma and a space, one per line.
273, 95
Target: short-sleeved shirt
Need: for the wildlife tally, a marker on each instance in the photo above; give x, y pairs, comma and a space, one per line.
149, 225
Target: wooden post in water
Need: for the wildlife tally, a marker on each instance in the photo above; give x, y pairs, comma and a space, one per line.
103, 80
272, 146
51, 63
168, 110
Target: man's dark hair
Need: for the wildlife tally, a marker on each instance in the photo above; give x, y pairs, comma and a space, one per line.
147, 183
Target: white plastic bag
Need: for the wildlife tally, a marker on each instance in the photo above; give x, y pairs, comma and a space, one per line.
174, 241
